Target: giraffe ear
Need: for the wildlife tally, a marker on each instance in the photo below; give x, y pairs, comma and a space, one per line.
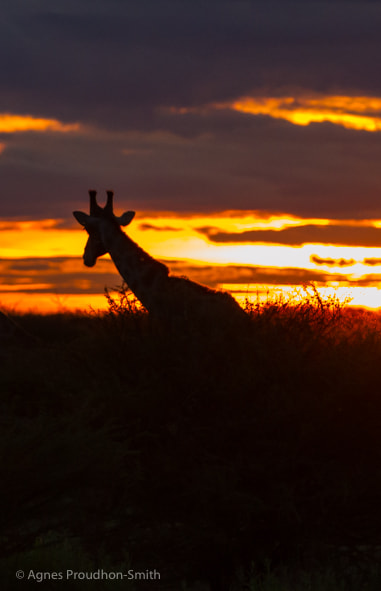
126, 218
81, 217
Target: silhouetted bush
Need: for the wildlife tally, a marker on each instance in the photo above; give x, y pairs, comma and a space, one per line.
198, 451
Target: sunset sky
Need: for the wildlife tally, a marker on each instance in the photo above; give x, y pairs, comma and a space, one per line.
246, 136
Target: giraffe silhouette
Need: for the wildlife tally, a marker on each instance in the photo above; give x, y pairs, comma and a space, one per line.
163, 295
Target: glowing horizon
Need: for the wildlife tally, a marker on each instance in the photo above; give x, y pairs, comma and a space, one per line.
182, 244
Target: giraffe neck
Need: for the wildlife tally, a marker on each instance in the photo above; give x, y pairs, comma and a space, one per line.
142, 273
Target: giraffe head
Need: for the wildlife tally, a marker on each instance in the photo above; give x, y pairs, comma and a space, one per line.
96, 225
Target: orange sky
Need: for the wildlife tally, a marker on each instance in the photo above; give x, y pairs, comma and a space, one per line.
244, 251
358, 112
11, 123
192, 107
351, 112
43, 259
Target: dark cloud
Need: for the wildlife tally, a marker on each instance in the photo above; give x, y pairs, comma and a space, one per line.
158, 228
67, 275
213, 162
372, 262
372, 280
119, 67
115, 62
332, 262
60, 275
344, 235
64, 275
248, 276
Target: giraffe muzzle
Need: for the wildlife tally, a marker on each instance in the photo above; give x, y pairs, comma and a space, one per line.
89, 261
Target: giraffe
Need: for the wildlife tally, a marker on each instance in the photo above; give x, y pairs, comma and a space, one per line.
163, 295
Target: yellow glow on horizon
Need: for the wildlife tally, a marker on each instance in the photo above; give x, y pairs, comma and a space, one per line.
46, 303
39, 239
353, 295
179, 241
175, 238
18, 123
166, 236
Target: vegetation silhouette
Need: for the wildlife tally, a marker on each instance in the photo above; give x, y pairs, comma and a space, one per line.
195, 453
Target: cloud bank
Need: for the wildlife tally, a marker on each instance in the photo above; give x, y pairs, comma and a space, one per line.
129, 75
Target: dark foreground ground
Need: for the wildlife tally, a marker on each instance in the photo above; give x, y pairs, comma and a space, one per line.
245, 458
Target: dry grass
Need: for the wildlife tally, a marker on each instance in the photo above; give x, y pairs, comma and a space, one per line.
202, 452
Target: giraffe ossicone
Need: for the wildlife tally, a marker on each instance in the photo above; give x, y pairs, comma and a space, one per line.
162, 294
